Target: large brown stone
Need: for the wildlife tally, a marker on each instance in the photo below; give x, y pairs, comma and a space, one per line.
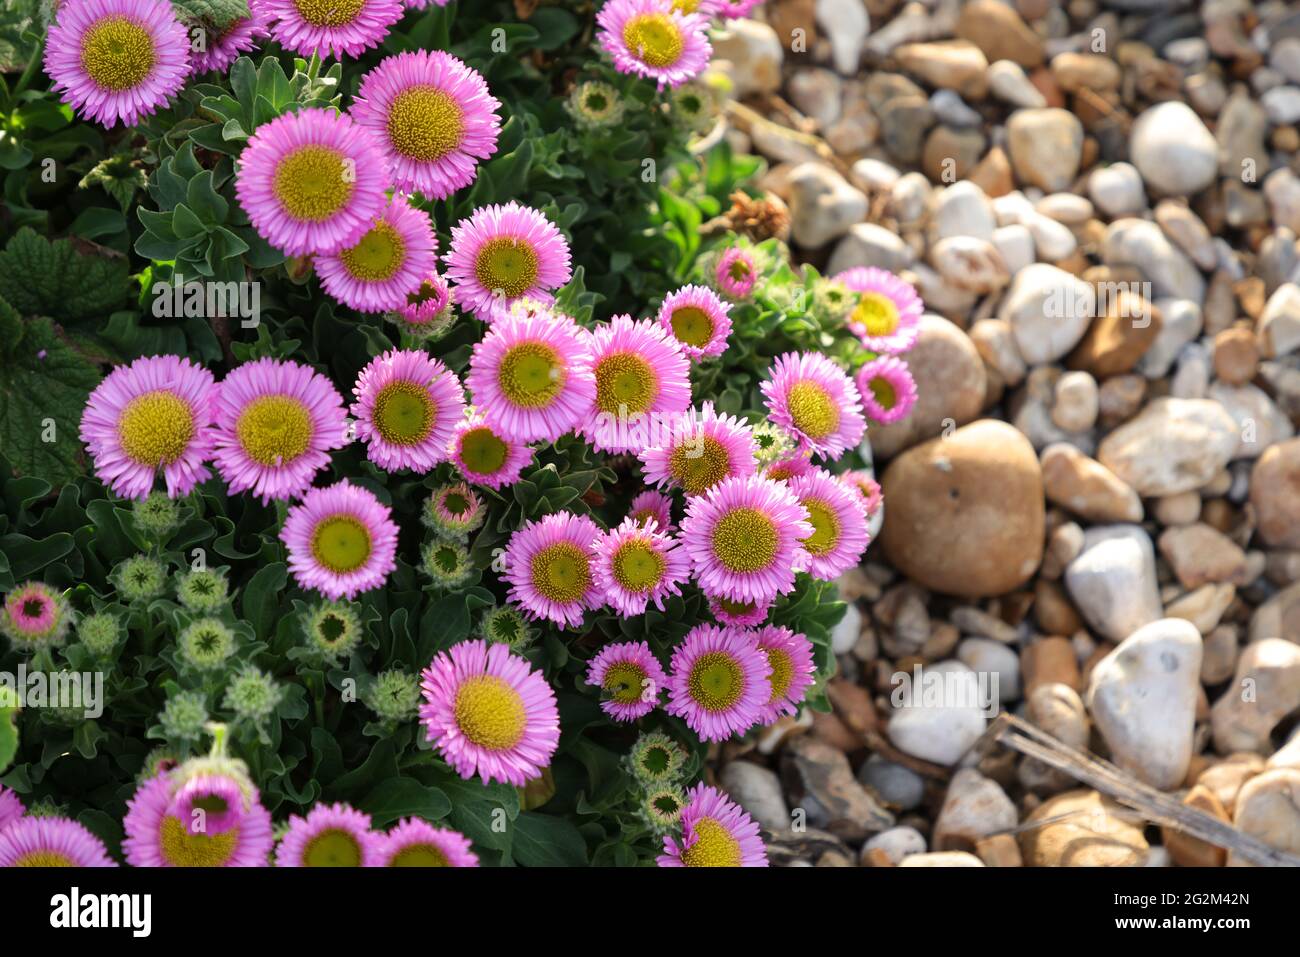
1000, 32
1275, 493
966, 512
1116, 341
1086, 831
950, 384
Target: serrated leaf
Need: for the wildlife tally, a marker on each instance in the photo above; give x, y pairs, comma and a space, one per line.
41, 278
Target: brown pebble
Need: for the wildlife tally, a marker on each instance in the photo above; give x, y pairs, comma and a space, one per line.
1053, 610
1236, 355
1048, 661
1188, 851
1000, 850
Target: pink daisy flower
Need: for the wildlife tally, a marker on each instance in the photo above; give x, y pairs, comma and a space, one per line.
157, 838
742, 614
719, 681
865, 484
331, 835
550, 567
791, 658
813, 398
485, 456
381, 270
839, 524
631, 676
277, 422
698, 320
887, 389
715, 833
453, 511
155, 414
648, 39
642, 377
11, 808
407, 409
504, 253
35, 616
239, 36
435, 117
638, 564
488, 713
789, 466
208, 804
887, 317
744, 537
736, 273
428, 307
703, 449
531, 378
51, 842
117, 59
651, 506
311, 182
341, 541
416, 843
331, 27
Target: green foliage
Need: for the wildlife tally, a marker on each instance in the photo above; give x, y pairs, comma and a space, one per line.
43, 278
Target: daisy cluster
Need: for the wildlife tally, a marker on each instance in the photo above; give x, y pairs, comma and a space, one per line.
729, 509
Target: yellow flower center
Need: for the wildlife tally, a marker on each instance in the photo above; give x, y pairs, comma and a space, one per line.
826, 527
506, 267
341, 543
482, 452
404, 413
181, 849
714, 847
782, 672
745, 540
692, 325
44, 859
425, 123
625, 683
332, 848
490, 713
274, 429
531, 374
624, 380
329, 13
637, 566
686, 6
377, 255
654, 39
155, 428
117, 53
877, 314
561, 572
716, 681
313, 183
419, 855
698, 466
884, 392
813, 411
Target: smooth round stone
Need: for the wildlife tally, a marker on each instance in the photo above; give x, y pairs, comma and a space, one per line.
1173, 150
894, 784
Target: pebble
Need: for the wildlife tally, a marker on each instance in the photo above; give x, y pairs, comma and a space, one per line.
1045, 146
985, 656
845, 634
1187, 851
942, 859
965, 512
1174, 445
869, 244
1264, 690
943, 731
1076, 403
1181, 322
1282, 105
996, 343
1200, 554
951, 110
949, 64
1085, 71
969, 263
1015, 244
896, 785
1279, 325
1139, 243
963, 210
897, 843
1275, 494
999, 31
974, 807
1085, 487
1268, 808
1048, 661
950, 381
1260, 422
1236, 355
1086, 830
1118, 338
755, 52
820, 781
1203, 607
758, 791
1117, 190
1219, 657
1113, 580
847, 24
823, 205
818, 94
1008, 82
1142, 697
1048, 310
1173, 150
1186, 230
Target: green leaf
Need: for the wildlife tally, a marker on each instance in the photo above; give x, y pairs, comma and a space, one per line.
544, 840
43, 390
40, 278
8, 727
404, 797
261, 599
218, 13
